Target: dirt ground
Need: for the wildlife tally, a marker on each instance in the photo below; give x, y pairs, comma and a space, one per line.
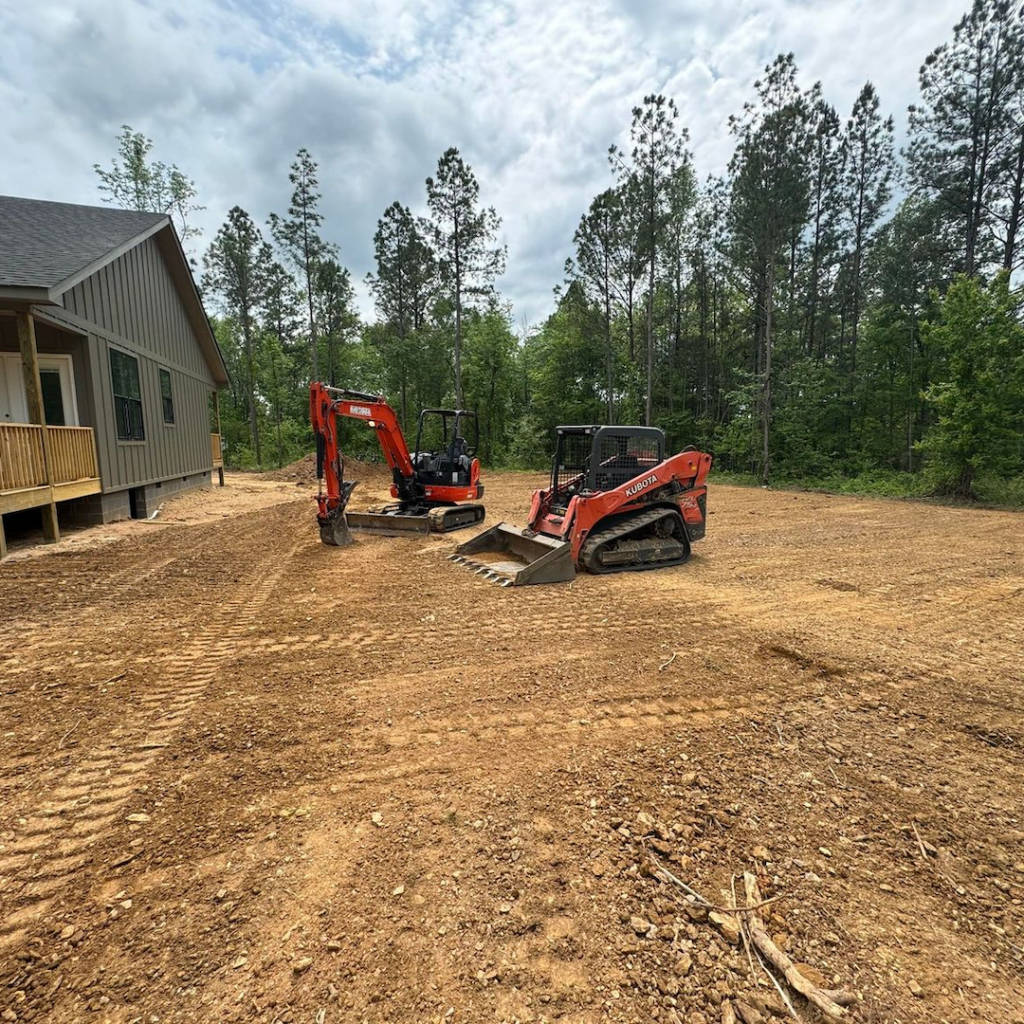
245, 777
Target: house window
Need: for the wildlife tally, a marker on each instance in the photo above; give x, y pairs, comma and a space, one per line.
166, 397
124, 375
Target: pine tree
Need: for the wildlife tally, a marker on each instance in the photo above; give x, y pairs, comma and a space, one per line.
825, 168
402, 287
869, 162
960, 132
463, 240
658, 153
769, 204
237, 270
298, 235
596, 239
335, 311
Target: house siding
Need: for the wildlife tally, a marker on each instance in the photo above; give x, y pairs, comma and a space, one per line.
132, 305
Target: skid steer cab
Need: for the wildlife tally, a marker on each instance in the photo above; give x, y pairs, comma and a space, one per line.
615, 503
436, 487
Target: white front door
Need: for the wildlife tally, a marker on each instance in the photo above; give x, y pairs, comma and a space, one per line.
58, 382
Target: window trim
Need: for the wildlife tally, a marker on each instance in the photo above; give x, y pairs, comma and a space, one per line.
111, 349
161, 370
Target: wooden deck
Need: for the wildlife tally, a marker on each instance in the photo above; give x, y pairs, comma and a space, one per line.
23, 478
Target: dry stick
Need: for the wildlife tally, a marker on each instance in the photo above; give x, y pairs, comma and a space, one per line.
112, 679
924, 852
827, 1002
748, 945
662, 872
665, 665
68, 733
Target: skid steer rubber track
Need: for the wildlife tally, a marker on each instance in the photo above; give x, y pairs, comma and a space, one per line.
637, 542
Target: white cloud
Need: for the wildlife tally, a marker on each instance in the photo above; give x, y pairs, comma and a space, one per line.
531, 92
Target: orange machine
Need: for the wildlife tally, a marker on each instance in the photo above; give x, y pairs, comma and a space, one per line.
615, 504
429, 484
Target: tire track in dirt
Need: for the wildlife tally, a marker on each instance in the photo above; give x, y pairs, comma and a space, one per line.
53, 845
578, 721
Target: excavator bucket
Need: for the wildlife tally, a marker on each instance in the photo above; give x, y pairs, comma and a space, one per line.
512, 557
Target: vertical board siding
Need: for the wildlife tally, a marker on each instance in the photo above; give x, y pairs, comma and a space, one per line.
136, 298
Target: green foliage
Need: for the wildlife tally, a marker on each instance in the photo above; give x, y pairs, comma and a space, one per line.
135, 183
463, 238
978, 394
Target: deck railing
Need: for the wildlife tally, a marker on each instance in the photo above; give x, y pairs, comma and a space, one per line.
72, 455
218, 457
21, 456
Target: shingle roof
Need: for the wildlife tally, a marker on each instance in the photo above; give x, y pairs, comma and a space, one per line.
43, 243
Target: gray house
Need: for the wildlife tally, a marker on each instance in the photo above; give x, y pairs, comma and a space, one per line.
108, 367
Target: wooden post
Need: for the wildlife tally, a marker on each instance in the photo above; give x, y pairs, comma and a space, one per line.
37, 414
3, 539
216, 416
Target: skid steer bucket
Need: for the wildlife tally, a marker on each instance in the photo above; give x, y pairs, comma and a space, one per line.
512, 557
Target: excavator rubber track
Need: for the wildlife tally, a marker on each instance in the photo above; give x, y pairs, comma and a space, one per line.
636, 542
400, 520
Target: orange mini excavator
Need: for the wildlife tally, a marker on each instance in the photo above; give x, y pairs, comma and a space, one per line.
429, 484
616, 503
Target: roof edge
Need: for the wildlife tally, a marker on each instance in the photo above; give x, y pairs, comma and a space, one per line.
87, 271
182, 273
21, 295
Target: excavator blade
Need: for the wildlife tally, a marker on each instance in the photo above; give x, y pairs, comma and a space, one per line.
388, 524
512, 557
397, 520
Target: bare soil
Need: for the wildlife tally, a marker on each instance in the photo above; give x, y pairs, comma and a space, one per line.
246, 777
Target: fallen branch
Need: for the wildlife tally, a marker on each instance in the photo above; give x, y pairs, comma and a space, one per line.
660, 871
665, 664
68, 733
112, 679
830, 1003
920, 843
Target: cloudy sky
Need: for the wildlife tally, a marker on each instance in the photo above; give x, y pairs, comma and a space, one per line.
531, 91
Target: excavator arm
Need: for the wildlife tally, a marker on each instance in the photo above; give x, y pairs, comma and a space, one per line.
326, 404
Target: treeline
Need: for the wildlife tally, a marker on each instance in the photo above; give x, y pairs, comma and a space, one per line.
830, 307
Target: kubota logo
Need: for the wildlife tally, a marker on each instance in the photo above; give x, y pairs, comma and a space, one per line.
360, 410
641, 484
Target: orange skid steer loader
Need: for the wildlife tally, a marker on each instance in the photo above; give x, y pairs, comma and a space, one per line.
615, 504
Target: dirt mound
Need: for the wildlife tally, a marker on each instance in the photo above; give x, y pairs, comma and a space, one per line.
304, 471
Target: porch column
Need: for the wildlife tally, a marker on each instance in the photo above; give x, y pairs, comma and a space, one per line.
37, 414
216, 416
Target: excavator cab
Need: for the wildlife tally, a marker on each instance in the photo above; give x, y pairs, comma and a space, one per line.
443, 455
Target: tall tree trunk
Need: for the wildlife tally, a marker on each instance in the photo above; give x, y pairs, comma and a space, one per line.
458, 319
766, 410
608, 342
1016, 209
254, 429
